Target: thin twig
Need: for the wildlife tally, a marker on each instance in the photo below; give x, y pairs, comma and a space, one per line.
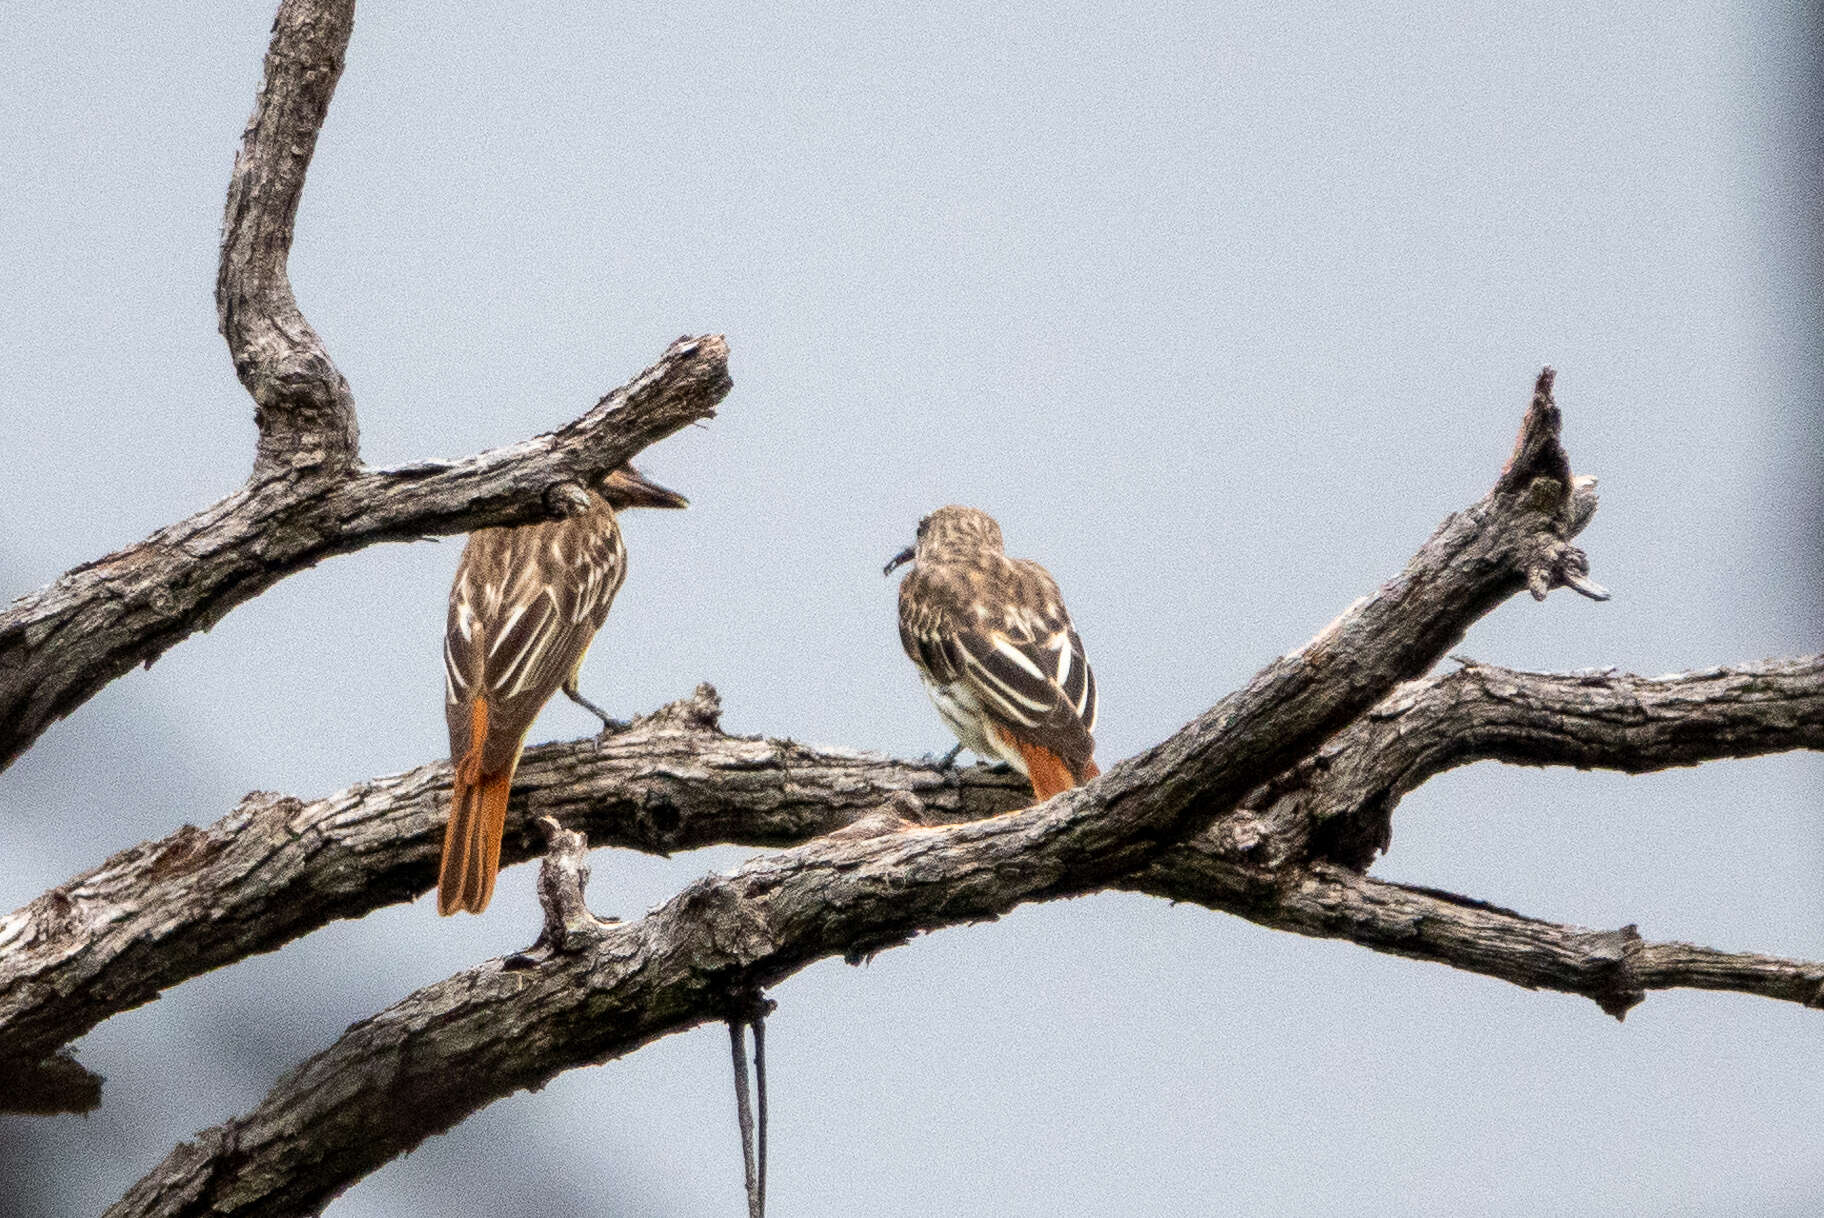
758, 1205
745, 1115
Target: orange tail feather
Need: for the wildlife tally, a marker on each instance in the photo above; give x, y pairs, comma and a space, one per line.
1047, 771
478, 819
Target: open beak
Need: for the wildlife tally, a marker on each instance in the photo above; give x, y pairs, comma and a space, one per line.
900, 559
628, 487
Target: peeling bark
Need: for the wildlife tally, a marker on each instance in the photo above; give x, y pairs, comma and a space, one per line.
277, 868
601, 991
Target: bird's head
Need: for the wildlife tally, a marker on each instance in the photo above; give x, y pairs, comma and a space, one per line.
951, 532
627, 487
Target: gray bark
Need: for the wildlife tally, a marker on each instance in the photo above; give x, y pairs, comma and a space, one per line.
277, 868
591, 991
1341, 805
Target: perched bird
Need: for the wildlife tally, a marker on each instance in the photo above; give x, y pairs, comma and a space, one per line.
999, 657
524, 607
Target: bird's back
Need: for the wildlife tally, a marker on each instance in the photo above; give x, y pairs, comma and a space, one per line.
990, 635
525, 604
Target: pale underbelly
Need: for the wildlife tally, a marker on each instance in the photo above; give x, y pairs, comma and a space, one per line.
960, 709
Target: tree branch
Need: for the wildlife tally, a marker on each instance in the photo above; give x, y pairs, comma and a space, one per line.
1516, 535
1614, 969
451, 1048
59, 645
308, 497
1339, 804
166, 911
438, 1056
303, 407
277, 868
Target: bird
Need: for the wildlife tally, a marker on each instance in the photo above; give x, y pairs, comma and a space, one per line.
997, 651
524, 607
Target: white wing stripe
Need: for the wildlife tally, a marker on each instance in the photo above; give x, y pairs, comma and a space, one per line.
1003, 695
452, 677
506, 628
1001, 686
1006, 648
520, 669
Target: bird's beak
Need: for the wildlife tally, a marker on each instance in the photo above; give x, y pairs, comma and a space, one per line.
627, 487
900, 559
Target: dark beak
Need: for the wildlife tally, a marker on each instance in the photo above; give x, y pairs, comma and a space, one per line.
627, 487
900, 559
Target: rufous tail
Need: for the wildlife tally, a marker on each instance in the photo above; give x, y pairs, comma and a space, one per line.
1047, 771
478, 818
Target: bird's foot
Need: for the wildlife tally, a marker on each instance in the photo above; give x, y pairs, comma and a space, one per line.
948, 760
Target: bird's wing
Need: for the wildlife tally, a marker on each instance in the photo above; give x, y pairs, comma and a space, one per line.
525, 606
1011, 642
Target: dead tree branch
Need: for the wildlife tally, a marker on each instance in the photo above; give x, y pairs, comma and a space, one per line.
454, 1047
302, 405
451, 1048
277, 868
1516, 536
308, 497
1339, 804
1614, 969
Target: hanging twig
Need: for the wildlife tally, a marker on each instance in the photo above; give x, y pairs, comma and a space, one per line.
744, 1113
757, 1201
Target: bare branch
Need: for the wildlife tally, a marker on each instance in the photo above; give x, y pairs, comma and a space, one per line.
308, 497
451, 1048
277, 868
61, 644
1614, 969
1340, 803
169, 910
166, 911
304, 410
1476, 557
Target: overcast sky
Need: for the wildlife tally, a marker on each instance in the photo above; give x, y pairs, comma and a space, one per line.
1218, 308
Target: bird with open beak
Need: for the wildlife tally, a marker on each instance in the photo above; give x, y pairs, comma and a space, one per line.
996, 649
524, 607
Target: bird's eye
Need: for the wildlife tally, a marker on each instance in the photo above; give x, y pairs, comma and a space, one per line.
922, 524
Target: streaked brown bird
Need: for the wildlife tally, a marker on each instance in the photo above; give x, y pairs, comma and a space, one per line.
524, 607
999, 657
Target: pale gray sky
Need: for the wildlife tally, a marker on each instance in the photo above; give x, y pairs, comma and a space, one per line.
1219, 310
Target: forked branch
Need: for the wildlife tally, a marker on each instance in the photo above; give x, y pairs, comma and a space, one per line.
309, 497
453, 1047
277, 868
